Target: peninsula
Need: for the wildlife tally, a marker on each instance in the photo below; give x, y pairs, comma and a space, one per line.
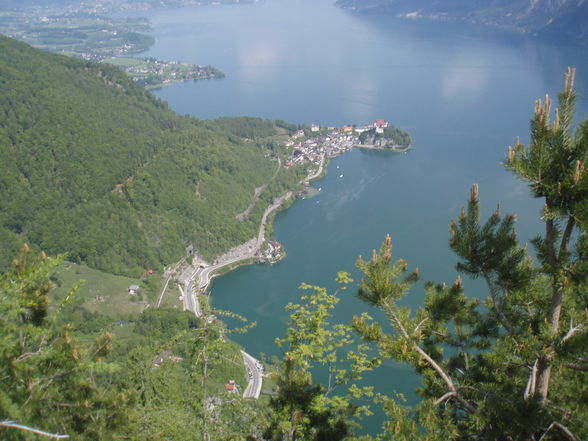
90, 32
153, 73
309, 147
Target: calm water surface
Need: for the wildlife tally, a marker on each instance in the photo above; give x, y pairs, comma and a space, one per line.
463, 93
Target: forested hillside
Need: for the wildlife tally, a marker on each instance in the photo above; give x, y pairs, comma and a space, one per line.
94, 166
560, 19
65, 384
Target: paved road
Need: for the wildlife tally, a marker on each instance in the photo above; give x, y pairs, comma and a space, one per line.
255, 374
317, 173
256, 194
253, 366
189, 294
191, 302
204, 274
201, 277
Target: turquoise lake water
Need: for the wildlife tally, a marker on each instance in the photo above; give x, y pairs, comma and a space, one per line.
464, 93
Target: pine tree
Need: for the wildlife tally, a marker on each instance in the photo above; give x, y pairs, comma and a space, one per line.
48, 380
516, 367
554, 166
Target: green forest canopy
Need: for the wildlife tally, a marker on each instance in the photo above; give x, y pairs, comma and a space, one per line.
94, 166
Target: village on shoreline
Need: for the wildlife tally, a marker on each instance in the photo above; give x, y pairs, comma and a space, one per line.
313, 146
316, 145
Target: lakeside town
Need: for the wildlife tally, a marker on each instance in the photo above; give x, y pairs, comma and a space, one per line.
313, 144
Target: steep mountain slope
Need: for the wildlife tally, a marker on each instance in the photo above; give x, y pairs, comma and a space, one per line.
562, 19
93, 165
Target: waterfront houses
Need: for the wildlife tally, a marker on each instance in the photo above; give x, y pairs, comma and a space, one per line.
318, 142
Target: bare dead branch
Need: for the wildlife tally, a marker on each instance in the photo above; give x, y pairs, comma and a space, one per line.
27, 355
532, 382
571, 332
577, 367
14, 425
563, 428
444, 397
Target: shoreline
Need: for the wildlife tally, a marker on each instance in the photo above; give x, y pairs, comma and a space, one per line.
334, 144
219, 267
396, 148
197, 277
242, 254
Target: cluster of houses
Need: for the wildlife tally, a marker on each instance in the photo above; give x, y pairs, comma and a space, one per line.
328, 143
273, 253
379, 125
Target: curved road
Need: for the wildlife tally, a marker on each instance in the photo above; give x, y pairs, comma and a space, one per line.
255, 374
252, 365
203, 275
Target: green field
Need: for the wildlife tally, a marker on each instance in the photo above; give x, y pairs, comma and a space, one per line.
123, 62
171, 299
89, 37
100, 292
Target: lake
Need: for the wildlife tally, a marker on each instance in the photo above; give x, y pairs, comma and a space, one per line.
463, 92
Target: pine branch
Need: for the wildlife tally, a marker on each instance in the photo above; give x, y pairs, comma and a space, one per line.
419, 325
14, 425
550, 240
497, 304
565, 240
563, 428
50, 380
391, 311
446, 378
27, 355
443, 398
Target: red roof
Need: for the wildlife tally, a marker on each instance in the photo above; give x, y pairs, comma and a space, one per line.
381, 122
230, 386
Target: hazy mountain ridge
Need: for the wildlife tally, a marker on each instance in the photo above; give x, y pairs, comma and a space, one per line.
563, 19
106, 6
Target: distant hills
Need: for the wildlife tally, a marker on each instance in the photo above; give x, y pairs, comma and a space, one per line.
108, 6
560, 19
94, 166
